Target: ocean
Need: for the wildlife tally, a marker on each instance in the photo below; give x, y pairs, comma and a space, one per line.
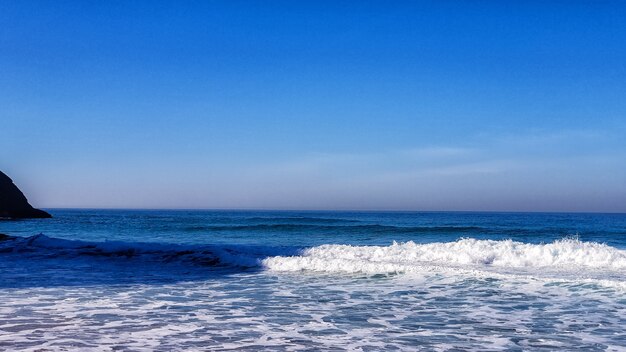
148, 280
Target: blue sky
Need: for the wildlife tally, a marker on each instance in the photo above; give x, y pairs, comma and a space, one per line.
442, 105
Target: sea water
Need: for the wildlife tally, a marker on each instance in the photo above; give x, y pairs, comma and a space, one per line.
101, 280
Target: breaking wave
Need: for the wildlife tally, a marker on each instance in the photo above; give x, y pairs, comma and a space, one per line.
565, 255
566, 258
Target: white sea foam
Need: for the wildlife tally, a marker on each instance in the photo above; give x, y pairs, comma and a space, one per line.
293, 312
567, 255
450, 301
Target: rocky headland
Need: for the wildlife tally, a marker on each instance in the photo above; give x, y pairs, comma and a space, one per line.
13, 203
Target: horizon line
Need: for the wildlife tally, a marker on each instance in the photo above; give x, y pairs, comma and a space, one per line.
338, 210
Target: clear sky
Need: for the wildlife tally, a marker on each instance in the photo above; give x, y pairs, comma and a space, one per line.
434, 105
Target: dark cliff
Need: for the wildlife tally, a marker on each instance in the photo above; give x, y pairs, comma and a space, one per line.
13, 203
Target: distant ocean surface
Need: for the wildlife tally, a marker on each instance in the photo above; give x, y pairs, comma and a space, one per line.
131, 280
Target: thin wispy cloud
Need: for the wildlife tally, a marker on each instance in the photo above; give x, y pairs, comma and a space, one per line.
416, 176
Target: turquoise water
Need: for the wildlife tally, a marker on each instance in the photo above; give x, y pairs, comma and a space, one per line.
221, 280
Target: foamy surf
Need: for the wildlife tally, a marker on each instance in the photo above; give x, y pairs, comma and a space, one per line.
183, 281
566, 258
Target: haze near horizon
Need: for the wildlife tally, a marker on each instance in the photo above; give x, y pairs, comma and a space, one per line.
515, 106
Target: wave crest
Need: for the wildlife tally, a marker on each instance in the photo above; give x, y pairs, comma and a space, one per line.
563, 258
567, 254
